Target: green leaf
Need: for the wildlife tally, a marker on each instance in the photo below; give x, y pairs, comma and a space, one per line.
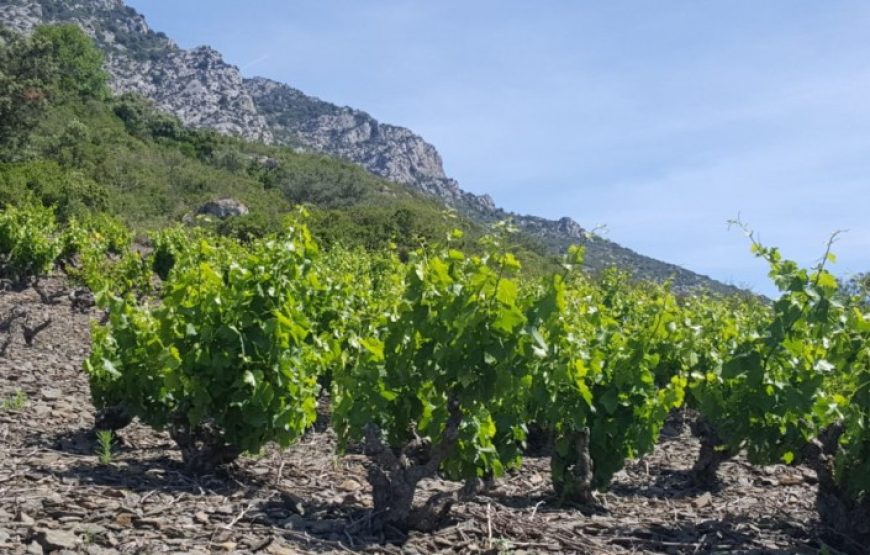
110, 369
507, 292
508, 319
374, 347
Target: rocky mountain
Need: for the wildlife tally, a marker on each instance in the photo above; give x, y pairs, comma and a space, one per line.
391, 152
201, 89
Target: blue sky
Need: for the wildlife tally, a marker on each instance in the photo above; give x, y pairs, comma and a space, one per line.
660, 120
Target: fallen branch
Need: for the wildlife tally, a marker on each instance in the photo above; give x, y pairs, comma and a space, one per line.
30, 333
46, 297
6, 327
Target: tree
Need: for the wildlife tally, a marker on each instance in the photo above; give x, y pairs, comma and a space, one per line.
66, 60
55, 64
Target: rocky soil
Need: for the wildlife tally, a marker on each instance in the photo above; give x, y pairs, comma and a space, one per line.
55, 495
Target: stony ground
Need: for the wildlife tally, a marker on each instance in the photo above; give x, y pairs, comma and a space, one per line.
56, 495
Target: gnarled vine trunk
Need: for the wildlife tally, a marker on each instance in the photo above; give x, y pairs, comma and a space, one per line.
847, 516
572, 468
711, 456
112, 418
395, 473
203, 447
474, 486
538, 440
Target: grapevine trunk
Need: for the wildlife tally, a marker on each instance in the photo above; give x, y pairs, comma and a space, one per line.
203, 448
572, 468
711, 456
845, 515
395, 473
112, 418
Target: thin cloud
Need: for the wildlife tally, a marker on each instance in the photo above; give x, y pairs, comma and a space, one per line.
258, 60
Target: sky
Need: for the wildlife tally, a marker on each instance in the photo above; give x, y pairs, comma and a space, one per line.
659, 120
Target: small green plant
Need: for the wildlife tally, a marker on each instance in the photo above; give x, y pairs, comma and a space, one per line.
16, 402
105, 443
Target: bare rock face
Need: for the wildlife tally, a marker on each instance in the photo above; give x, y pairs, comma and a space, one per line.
21, 18
195, 85
223, 208
392, 152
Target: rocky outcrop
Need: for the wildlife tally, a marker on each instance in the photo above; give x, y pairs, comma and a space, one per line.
195, 85
21, 18
116, 27
200, 88
223, 208
392, 152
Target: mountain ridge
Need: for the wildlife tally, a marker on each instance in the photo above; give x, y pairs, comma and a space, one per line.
203, 90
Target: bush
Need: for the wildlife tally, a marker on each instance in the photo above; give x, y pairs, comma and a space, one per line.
598, 387
226, 360
97, 253
68, 192
247, 227
769, 394
427, 385
28, 242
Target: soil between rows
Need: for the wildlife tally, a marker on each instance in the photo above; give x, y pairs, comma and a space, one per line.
55, 495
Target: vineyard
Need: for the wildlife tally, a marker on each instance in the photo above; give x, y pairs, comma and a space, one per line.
432, 379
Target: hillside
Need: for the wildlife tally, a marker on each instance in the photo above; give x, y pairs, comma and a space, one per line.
202, 90
68, 142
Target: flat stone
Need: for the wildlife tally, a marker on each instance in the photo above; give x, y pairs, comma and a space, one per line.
791, 480
350, 485
261, 544
53, 540
51, 394
91, 529
155, 523
276, 548
703, 501
99, 550
124, 519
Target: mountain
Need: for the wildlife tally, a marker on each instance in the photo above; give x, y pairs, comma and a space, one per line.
202, 90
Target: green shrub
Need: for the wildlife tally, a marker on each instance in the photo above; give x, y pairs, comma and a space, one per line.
69, 192
28, 242
248, 227
226, 360
598, 387
97, 253
428, 383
